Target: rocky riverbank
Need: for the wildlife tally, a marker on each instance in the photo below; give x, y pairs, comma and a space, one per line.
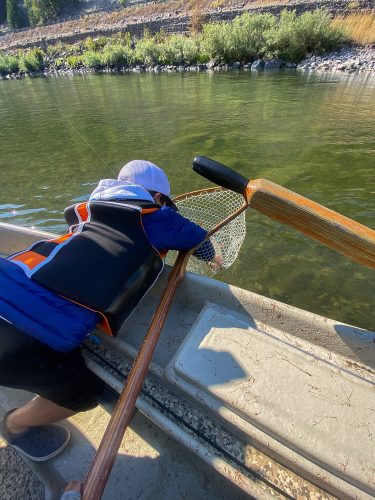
347, 60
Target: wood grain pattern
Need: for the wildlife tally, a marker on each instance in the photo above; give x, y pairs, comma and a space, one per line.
334, 230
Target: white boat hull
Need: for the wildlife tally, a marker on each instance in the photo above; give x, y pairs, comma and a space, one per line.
291, 394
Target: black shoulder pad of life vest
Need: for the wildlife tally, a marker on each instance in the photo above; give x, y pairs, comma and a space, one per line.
71, 216
107, 266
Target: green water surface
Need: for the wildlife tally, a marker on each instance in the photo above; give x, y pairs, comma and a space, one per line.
313, 134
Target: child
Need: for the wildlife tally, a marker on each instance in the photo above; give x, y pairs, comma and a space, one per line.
54, 293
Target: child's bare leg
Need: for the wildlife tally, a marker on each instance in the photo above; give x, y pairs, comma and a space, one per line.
39, 411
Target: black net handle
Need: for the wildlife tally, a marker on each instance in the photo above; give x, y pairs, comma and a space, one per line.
220, 174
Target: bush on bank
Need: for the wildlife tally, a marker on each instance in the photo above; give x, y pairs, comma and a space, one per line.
295, 37
246, 38
9, 64
243, 39
31, 61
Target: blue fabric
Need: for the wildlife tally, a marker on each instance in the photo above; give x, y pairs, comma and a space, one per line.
47, 317
60, 323
169, 230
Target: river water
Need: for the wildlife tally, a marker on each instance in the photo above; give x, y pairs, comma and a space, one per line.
313, 134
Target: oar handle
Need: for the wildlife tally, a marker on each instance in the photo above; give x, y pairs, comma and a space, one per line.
334, 230
220, 174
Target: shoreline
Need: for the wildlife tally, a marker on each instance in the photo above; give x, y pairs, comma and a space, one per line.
349, 60
250, 41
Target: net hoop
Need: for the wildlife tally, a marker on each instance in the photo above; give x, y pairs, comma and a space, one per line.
221, 213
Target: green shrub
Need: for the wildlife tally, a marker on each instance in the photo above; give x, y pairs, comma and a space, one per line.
170, 53
95, 44
215, 42
53, 50
13, 64
74, 49
14, 17
316, 32
116, 54
179, 49
8, 64
92, 59
74, 61
59, 62
246, 36
190, 47
31, 61
296, 37
102, 41
4, 70
122, 39
147, 51
159, 37
40, 11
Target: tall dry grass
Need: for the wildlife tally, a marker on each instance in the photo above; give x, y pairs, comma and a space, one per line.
359, 26
189, 6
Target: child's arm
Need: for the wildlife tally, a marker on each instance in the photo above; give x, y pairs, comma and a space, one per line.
169, 230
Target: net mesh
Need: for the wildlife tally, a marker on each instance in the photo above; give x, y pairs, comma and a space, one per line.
209, 208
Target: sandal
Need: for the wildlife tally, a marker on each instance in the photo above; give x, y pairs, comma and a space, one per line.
37, 443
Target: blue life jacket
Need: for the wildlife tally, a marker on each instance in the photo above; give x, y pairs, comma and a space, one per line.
37, 311
106, 264
61, 323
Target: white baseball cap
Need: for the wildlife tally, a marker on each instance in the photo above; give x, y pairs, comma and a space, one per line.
145, 174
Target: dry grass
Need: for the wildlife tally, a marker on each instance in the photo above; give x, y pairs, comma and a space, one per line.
189, 6
268, 3
359, 26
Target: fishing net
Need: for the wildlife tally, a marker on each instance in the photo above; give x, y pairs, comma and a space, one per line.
208, 208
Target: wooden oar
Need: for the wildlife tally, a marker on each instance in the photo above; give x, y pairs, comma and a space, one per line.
101, 466
334, 230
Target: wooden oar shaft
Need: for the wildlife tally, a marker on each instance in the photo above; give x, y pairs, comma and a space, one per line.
101, 466
334, 230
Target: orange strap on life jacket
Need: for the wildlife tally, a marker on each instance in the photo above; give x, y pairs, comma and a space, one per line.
47, 253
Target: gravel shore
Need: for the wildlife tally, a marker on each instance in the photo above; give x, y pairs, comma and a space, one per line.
347, 60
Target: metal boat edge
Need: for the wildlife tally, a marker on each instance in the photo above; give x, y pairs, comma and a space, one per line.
278, 400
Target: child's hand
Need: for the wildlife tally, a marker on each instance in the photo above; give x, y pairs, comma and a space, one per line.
216, 262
